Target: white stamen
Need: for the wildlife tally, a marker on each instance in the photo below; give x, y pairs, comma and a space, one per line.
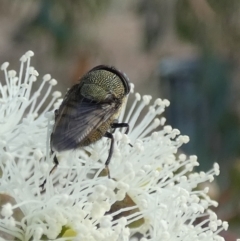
149, 183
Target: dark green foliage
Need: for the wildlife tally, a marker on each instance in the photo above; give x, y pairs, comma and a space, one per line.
62, 20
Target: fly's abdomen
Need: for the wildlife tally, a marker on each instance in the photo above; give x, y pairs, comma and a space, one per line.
97, 134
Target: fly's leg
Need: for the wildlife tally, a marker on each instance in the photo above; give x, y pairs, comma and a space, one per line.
56, 163
110, 136
55, 160
120, 125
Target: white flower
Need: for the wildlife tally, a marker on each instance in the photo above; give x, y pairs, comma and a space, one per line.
152, 189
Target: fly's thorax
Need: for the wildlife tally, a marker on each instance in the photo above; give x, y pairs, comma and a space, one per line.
101, 85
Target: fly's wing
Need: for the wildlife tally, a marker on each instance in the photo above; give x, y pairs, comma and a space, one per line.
76, 118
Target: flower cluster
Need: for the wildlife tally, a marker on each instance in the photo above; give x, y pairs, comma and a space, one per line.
153, 190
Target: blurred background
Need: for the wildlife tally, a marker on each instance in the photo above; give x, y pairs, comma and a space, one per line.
183, 50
